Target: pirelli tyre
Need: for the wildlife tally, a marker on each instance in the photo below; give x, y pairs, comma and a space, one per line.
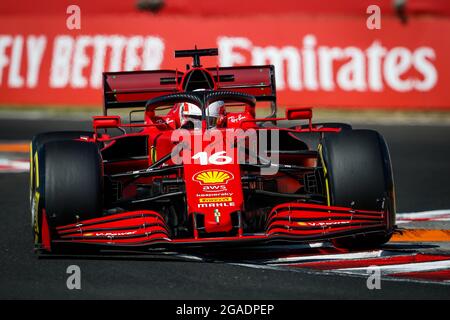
68, 186
42, 138
358, 174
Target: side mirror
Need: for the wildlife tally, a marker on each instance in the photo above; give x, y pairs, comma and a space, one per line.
299, 114
103, 122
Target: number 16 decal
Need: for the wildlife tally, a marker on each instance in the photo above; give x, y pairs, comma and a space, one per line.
217, 158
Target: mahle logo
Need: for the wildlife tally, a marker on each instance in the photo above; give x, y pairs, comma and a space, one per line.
213, 177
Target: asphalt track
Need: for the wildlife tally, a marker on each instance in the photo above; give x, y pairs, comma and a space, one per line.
421, 161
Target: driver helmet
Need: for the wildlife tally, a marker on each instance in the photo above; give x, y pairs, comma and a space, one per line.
191, 115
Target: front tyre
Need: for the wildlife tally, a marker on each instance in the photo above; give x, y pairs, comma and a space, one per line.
358, 174
41, 139
68, 186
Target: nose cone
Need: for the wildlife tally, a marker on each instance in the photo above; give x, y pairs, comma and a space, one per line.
213, 187
215, 191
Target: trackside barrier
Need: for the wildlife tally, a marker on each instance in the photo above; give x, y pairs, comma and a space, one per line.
319, 60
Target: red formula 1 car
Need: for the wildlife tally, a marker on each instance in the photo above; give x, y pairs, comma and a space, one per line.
195, 165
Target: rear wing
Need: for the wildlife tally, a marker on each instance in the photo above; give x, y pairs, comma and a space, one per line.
133, 88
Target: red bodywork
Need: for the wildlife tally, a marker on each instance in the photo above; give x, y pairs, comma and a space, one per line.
291, 221
212, 192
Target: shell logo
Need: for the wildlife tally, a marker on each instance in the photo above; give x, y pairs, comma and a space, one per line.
213, 177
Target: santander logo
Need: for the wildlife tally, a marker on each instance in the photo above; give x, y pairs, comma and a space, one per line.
313, 66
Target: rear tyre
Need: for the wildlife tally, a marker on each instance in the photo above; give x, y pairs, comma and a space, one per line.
359, 175
339, 125
313, 139
68, 185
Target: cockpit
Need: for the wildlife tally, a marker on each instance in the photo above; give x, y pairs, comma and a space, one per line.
200, 109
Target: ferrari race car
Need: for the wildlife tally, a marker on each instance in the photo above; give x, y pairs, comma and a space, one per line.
194, 164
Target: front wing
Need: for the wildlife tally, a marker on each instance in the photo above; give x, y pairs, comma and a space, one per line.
298, 222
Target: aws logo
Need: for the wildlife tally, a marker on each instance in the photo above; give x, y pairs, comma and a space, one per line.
208, 177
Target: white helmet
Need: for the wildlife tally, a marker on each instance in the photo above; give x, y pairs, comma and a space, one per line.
190, 114
214, 111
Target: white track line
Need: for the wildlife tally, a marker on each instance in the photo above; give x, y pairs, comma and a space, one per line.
400, 268
423, 214
338, 256
415, 220
297, 246
432, 215
330, 272
7, 165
